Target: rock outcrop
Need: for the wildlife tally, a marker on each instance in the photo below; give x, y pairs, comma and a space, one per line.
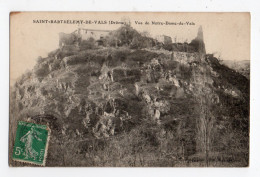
106, 92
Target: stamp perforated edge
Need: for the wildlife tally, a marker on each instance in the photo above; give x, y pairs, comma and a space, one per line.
46, 148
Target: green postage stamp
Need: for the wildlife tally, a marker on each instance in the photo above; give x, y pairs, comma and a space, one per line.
31, 143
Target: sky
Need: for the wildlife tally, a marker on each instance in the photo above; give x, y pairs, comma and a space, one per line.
225, 34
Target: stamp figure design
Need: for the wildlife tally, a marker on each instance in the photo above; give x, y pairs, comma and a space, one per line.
31, 143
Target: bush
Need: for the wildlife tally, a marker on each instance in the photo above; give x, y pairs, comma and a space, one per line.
168, 47
41, 70
128, 36
55, 65
88, 44
23, 78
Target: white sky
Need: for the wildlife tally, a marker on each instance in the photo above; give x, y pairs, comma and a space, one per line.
227, 34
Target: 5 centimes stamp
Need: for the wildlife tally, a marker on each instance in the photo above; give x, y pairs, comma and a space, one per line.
31, 143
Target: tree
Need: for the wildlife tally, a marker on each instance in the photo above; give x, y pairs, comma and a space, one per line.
88, 44
205, 125
206, 99
145, 34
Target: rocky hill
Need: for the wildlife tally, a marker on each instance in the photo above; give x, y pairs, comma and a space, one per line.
242, 66
117, 106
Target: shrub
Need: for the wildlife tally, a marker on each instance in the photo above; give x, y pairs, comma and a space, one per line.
88, 44
41, 70
128, 36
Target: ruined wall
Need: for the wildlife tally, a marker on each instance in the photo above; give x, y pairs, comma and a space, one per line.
185, 57
164, 39
95, 34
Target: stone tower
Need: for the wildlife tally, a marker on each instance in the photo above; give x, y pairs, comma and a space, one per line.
200, 40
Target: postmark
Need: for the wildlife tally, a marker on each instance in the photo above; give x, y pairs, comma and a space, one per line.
31, 143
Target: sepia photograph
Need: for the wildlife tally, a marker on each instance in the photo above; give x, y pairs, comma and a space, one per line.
129, 89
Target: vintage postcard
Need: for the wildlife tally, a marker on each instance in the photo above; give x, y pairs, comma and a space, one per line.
129, 89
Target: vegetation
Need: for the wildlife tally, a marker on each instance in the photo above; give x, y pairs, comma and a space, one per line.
127, 36
125, 105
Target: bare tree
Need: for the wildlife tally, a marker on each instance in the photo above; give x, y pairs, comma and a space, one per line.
206, 99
